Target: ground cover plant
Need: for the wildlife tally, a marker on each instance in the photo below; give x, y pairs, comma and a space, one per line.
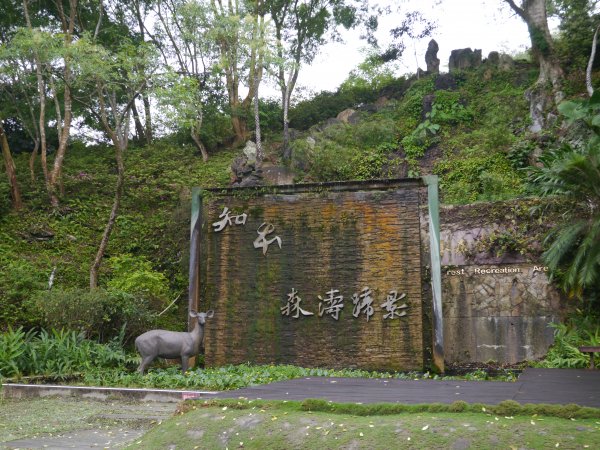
244, 375
320, 424
56, 354
576, 331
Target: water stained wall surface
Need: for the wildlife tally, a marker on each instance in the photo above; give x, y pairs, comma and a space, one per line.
498, 305
314, 275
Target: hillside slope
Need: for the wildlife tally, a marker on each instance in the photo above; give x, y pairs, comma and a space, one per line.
468, 127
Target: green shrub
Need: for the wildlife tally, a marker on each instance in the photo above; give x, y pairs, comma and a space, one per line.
135, 275
56, 354
474, 176
578, 330
97, 314
12, 351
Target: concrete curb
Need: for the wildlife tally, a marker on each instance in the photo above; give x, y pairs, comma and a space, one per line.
15, 390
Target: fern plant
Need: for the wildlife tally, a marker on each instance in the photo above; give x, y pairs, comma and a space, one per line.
573, 172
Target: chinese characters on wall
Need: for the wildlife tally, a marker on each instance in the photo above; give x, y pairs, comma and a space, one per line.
263, 230
333, 304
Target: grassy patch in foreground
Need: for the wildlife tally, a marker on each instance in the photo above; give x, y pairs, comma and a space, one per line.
323, 425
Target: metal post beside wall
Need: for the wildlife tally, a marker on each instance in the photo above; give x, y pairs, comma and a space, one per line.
436, 271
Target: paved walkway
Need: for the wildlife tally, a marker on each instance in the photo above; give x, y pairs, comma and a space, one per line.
560, 386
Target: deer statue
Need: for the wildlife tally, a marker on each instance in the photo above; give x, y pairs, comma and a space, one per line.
172, 344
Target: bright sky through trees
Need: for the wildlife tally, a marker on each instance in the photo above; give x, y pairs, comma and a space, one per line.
484, 24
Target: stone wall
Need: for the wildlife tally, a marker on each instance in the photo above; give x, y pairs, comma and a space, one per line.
335, 240
497, 299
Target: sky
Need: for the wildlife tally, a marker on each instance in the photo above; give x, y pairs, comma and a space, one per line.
489, 25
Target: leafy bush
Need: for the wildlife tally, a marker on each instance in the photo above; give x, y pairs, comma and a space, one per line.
353, 93
578, 330
476, 176
97, 314
573, 173
12, 350
448, 107
135, 275
56, 354
271, 116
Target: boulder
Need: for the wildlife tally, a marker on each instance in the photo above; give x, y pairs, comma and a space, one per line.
427, 105
431, 59
381, 102
506, 63
245, 173
464, 58
277, 175
493, 58
250, 152
445, 82
345, 115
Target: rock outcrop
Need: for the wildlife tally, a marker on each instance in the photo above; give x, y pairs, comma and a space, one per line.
464, 58
431, 59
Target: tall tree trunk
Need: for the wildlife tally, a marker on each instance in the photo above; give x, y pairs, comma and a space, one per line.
287, 151
139, 129
257, 136
36, 147
287, 90
11, 171
118, 136
41, 87
147, 113
148, 119
541, 101
68, 25
256, 79
114, 212
195, 134
240, 129
588, 70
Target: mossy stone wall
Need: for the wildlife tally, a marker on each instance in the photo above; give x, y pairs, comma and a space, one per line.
345, 237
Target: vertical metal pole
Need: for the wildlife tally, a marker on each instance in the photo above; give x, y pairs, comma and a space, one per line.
195, 225
194, 281
436, 271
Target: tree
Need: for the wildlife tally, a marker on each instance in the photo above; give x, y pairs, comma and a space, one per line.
260, 46
534, 13
301, 28
18, 89
182, 34
140, 9
232, 30
576, 27
67, 24
112, 81
11, 171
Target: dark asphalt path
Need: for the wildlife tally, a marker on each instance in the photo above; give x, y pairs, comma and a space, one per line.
559, 386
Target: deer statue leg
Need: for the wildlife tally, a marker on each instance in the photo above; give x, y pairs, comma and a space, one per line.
184, 364
145, 363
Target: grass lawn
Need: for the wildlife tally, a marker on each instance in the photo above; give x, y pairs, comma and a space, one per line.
285, 425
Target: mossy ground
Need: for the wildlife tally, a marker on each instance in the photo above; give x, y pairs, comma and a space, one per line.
280, 425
